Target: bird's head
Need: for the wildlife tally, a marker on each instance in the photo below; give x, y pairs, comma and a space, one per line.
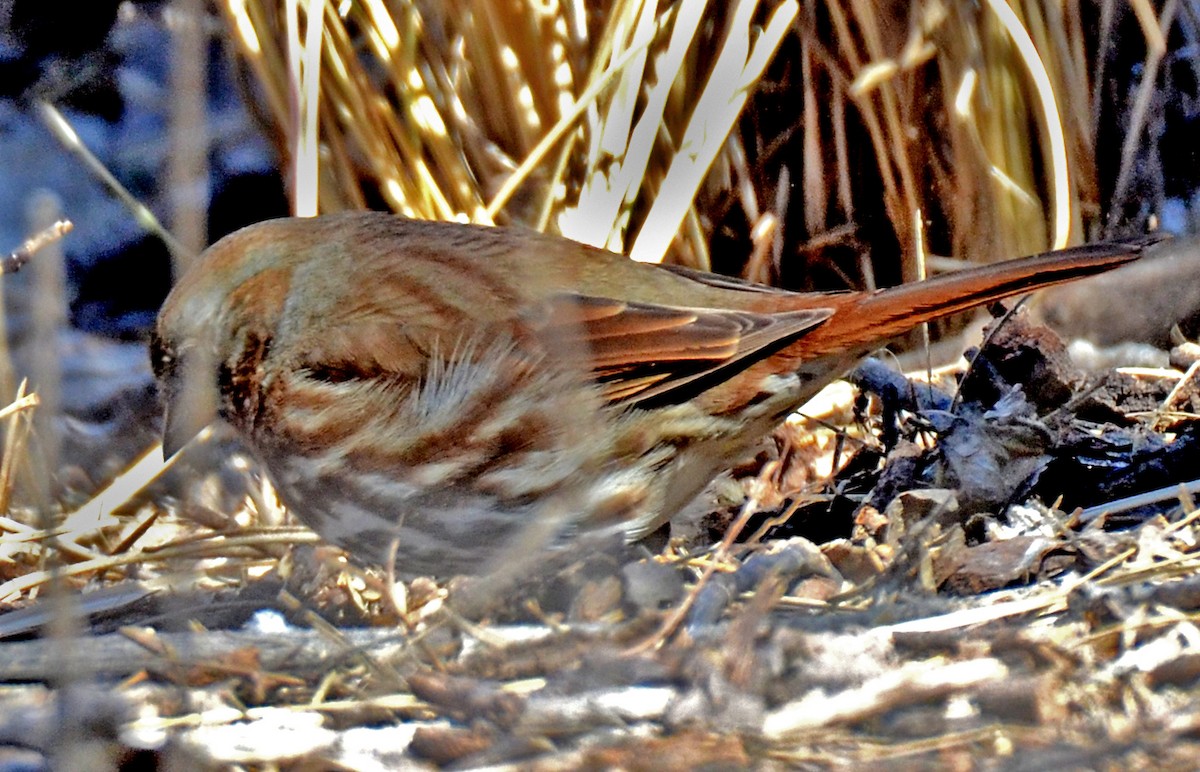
217, 323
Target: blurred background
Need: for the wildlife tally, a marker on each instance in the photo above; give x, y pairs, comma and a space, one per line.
822, 144
828, 144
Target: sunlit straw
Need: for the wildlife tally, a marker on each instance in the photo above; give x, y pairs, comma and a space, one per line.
309, 92
738, 66
244, 27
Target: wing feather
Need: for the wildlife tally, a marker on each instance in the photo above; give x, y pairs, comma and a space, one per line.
635, 352
643, 351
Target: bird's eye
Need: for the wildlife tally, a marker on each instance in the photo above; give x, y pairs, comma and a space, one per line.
162, 358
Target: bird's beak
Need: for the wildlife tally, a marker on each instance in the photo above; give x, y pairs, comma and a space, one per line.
190, 405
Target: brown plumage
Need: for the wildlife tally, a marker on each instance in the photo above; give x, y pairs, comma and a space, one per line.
455, 388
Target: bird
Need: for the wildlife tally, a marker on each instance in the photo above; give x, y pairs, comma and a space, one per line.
442, 394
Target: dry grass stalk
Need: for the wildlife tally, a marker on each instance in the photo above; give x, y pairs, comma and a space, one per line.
617, 122
444, 110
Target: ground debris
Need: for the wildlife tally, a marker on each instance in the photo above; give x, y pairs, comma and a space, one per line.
941, 599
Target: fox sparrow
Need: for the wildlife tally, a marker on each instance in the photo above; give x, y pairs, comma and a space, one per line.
454, 389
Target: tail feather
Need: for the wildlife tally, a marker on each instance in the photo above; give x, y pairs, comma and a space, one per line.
893, 311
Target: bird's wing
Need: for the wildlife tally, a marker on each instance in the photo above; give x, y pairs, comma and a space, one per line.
637, 353
642, 352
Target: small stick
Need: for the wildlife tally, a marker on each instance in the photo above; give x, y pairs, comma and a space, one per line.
16, 260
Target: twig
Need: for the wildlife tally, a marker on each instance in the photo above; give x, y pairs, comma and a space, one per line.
16, 260
676, 617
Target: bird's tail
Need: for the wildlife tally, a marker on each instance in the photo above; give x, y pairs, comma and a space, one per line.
882, 315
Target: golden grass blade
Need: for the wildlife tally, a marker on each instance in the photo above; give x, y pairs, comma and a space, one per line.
558, 131
1059, 182
596, 218
737, 67
307, 79
15, 436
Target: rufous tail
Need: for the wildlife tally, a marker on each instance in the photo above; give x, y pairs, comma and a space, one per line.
890, 312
